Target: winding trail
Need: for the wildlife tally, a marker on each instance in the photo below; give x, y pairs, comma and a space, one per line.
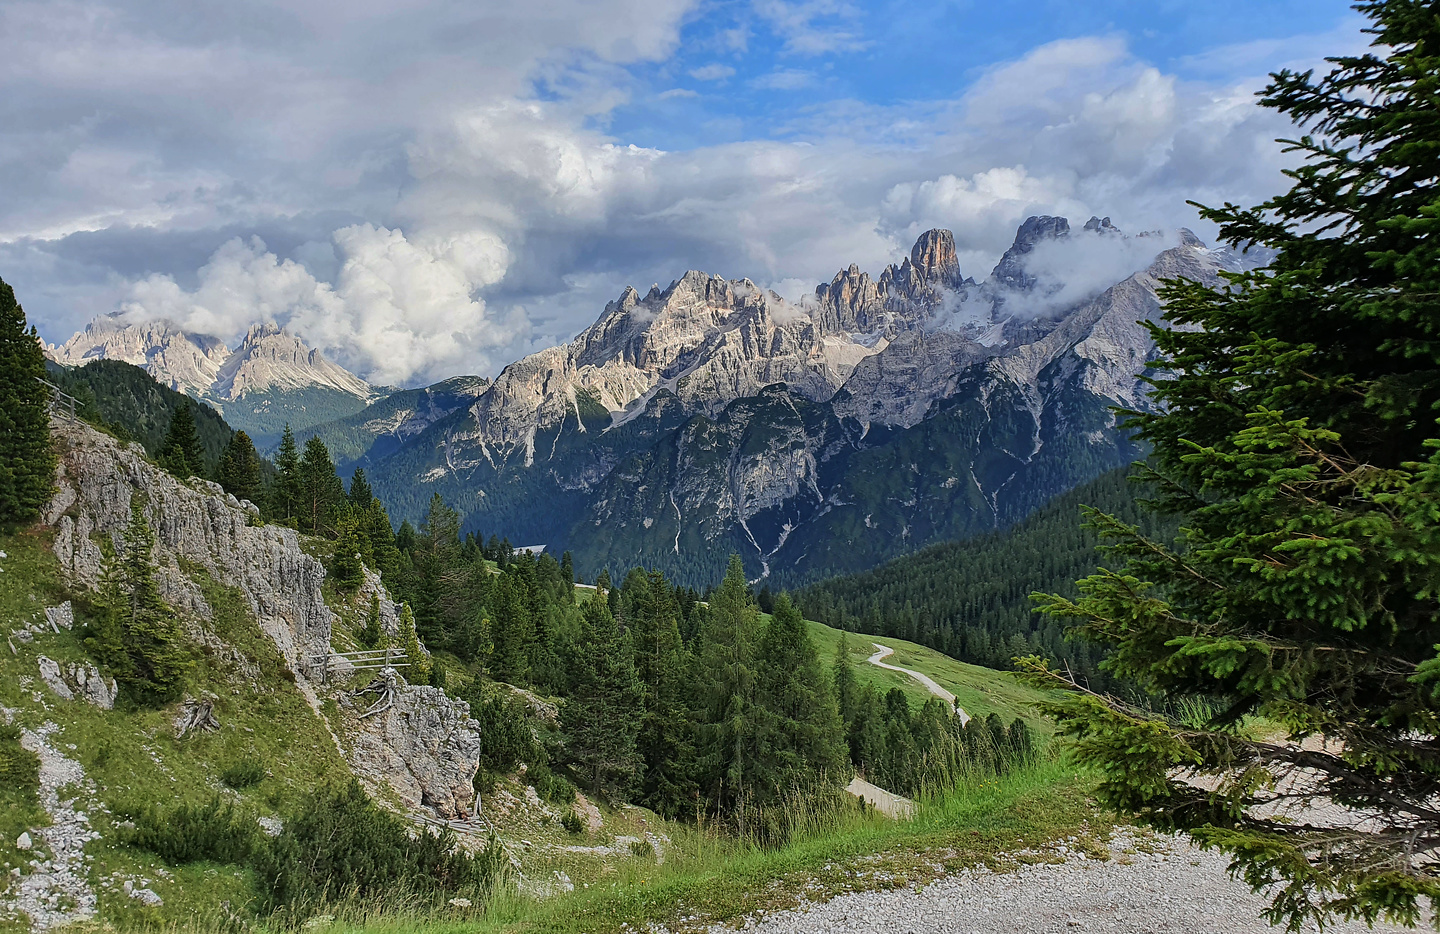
937, 690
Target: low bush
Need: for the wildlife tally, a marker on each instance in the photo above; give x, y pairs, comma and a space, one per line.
339, 846
245, 773
216, 830
19, 767
572, 821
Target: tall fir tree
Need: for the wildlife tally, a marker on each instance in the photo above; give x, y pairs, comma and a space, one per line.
27, 459
724, 696
601, 718
285, 492
136, 635
666, 737
1295, 435
181, 452
802, 743
321, 491
239, 470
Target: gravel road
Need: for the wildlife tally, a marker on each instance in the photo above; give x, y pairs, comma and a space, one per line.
929, 682
1175, 890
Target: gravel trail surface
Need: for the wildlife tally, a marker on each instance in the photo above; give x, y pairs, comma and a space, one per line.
1174, 889
929, 682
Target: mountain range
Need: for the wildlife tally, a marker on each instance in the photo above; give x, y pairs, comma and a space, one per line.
874, 417
270, 379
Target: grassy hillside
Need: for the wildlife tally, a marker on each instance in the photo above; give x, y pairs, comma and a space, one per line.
980, 691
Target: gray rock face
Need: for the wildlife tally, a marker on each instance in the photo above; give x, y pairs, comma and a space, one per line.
82, 681
97, 478
1010, 272
270, 358
425, 748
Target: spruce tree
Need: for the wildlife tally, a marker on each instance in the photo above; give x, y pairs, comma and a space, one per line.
802, 746
181, 452
285, 492
136, 635
320, 488
27, 460
347, 566
665, 741
844, 676
724, 682
360, 493
601, 718
418, 671
381, 538
239, 470
1295, 435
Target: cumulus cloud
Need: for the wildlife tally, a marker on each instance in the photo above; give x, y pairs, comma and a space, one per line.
397, 312
435, 188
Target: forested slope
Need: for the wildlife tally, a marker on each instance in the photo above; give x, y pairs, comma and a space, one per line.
971, 599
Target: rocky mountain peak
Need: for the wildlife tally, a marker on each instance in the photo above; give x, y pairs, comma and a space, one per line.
272, 358
933, 255
185, 362
1101, 225
1010, 271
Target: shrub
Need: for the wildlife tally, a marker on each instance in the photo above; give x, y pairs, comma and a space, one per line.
339, 845
246, 773
19, 767
216, 830
572, 821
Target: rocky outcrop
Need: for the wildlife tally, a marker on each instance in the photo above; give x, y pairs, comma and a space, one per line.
81, 681
424, 748
195, 523
1010, 272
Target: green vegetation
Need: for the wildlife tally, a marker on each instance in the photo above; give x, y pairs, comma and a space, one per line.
971, 599
1296, 437
27, 463
133, 633
127, 402
181, 452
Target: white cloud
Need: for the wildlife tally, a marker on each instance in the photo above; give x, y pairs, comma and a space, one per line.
784, 79
712, 72
398, 311
813, 27
677, 92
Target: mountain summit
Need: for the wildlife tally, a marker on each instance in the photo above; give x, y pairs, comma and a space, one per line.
869, 419
271, 378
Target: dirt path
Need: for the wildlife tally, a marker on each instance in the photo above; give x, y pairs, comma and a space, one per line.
937, 690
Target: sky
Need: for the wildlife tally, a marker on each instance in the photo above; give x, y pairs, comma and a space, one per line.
424, 188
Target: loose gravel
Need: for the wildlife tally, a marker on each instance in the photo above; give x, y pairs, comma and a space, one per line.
1152, 884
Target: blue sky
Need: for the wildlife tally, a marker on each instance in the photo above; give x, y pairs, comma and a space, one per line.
425, 187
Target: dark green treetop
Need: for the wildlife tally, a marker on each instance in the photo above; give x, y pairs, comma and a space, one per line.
181, 453
1296, 437
27, 461
239, 470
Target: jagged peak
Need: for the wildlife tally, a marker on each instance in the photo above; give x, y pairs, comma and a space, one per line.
934, 256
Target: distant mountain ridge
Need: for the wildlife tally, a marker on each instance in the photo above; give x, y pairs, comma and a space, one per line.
875, 417
272, 377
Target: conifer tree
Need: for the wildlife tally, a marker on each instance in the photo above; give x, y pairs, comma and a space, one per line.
1296, 437
844, 677
665, 740
381, 538
601, 718
418, 671
136, 635
181, 452
285, 493
239, 470
360, 493
724, 690
347, 567
371, 635
801, 746
321, 491
27, 461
